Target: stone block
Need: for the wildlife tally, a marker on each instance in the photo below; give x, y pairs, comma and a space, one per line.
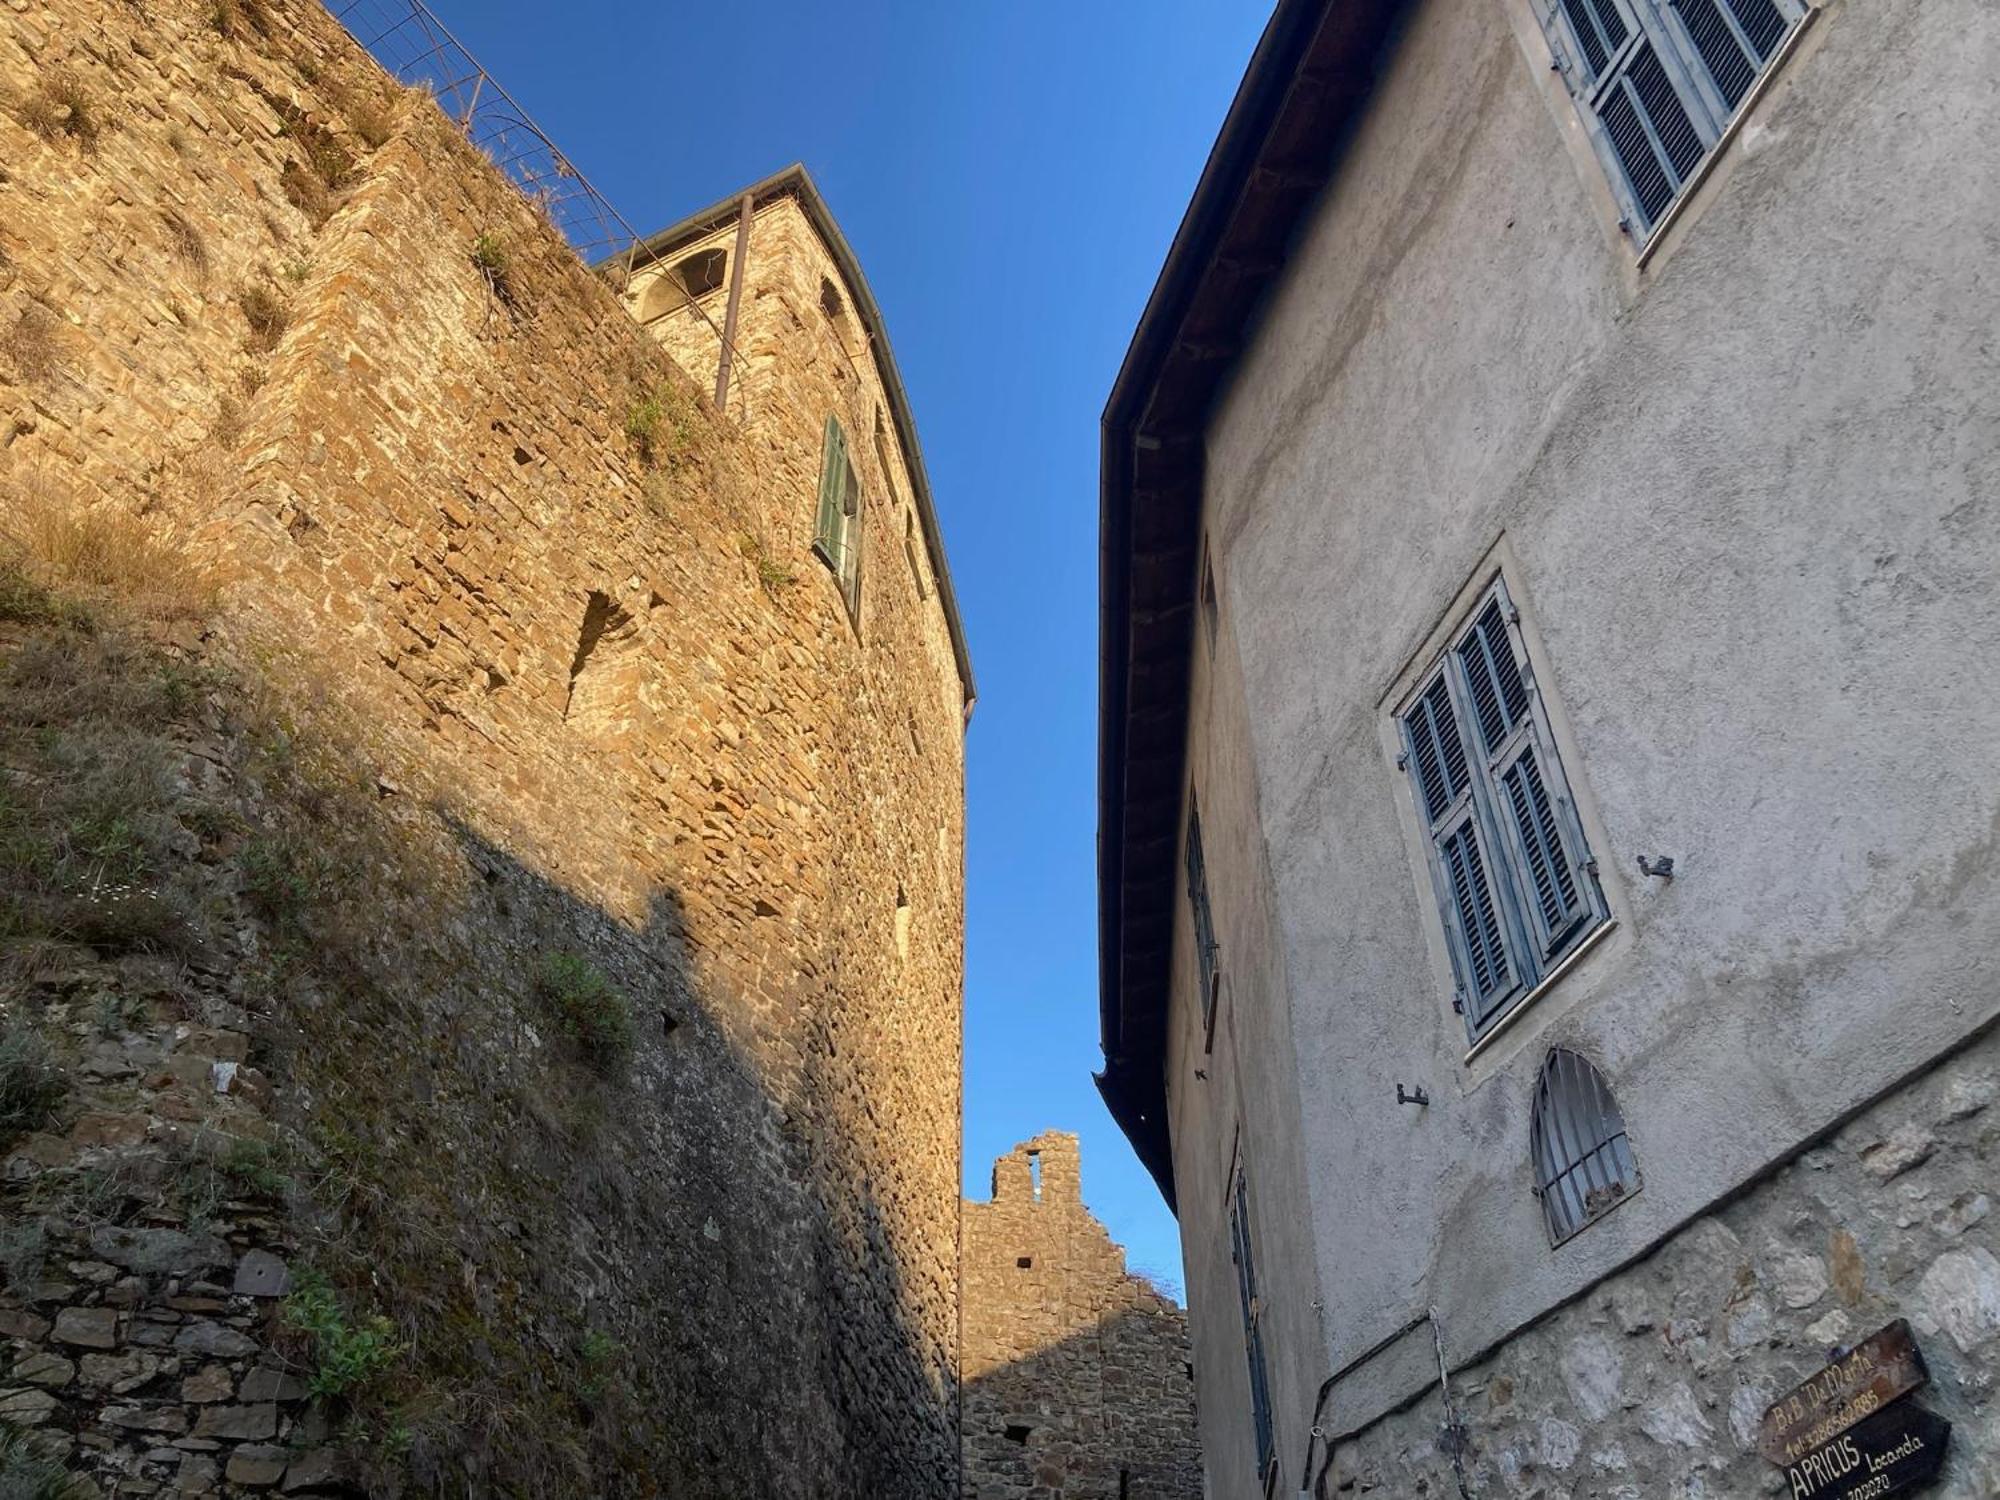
254, 1423
87, 1327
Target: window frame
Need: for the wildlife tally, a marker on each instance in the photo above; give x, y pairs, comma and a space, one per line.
1535, 950
1661, 25
837, 531
1201, 926
1243, 1256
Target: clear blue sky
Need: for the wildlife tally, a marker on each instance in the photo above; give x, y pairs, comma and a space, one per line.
1010, 175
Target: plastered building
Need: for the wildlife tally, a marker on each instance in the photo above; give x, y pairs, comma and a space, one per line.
1548, 864
1078, 1384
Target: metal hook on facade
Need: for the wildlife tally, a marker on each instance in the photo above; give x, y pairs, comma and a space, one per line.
1414, 1096
1661, 868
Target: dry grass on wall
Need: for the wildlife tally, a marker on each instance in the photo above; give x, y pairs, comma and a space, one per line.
298, 882
100, 552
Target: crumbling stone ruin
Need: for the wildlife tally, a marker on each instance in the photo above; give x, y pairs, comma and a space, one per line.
1078, 1382
479, 1011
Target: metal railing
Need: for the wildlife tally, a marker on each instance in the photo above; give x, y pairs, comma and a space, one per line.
417, 48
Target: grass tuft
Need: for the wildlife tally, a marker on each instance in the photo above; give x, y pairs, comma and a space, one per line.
772, 575
32, 1085
27, 1472
63, 106
305, 191
237, 19
267, 314
187, 242
593, 1013
95, 549
490, 259
370, 119
35, 345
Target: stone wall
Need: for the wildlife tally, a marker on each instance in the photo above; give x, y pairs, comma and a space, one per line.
1077, 1377
1651, 1386
600, 709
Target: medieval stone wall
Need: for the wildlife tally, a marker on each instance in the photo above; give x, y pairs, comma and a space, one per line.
1077, 1377
1652, 1385
273, 304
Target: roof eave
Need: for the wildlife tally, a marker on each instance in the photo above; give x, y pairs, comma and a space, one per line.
1281, 141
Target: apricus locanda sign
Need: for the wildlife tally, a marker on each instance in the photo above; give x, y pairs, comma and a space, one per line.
1850, 1433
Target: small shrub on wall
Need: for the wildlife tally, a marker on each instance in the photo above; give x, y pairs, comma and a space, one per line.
594, 1013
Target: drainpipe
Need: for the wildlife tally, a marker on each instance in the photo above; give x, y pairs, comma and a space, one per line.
735, 299
1453, 1435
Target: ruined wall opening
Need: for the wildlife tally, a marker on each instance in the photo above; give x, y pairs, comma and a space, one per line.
1035, 1175
604, 673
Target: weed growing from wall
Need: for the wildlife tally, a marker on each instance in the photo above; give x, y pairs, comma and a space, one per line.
348, 1353
593, 1013
32, 1086
268, 316
27, 1473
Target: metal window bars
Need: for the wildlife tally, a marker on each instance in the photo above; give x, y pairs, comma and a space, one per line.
1582, 1156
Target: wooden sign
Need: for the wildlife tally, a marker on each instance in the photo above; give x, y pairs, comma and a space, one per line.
1878, 1370
1882, 1455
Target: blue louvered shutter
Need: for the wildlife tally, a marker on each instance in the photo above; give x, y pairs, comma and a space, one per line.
1659, 79
1601, 29
1550, 894
1650, 131
1441, 772
1734, 39
1514, 880
829, 526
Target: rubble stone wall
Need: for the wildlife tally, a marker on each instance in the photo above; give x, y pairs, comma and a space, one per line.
608, 694
1077, 1377
1652, 1385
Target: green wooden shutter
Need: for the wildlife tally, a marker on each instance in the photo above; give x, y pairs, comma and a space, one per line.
831, 525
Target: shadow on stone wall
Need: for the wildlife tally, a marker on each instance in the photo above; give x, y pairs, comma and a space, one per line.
710, 1229
1104, 1414
612, 1277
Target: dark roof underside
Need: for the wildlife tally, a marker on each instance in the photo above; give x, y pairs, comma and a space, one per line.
796, 182
1305, 87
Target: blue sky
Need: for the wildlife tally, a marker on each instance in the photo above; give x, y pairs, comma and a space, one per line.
1010, 176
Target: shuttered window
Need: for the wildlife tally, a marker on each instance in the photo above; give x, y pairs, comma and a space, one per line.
1243, 1253
1205, 946
837, 527
1658, 81
1515, 884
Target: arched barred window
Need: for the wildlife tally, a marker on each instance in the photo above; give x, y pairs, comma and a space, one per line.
1582, 1156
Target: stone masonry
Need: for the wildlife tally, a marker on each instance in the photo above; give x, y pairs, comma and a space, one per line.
620, 709
1077, 1377
1652, 1385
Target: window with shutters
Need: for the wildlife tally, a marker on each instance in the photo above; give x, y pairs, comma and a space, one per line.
1658, 82
1243, 1253
1516, 885
837, 529
1206, 948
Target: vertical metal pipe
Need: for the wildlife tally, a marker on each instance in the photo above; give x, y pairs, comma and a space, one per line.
472, 107
736, 260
